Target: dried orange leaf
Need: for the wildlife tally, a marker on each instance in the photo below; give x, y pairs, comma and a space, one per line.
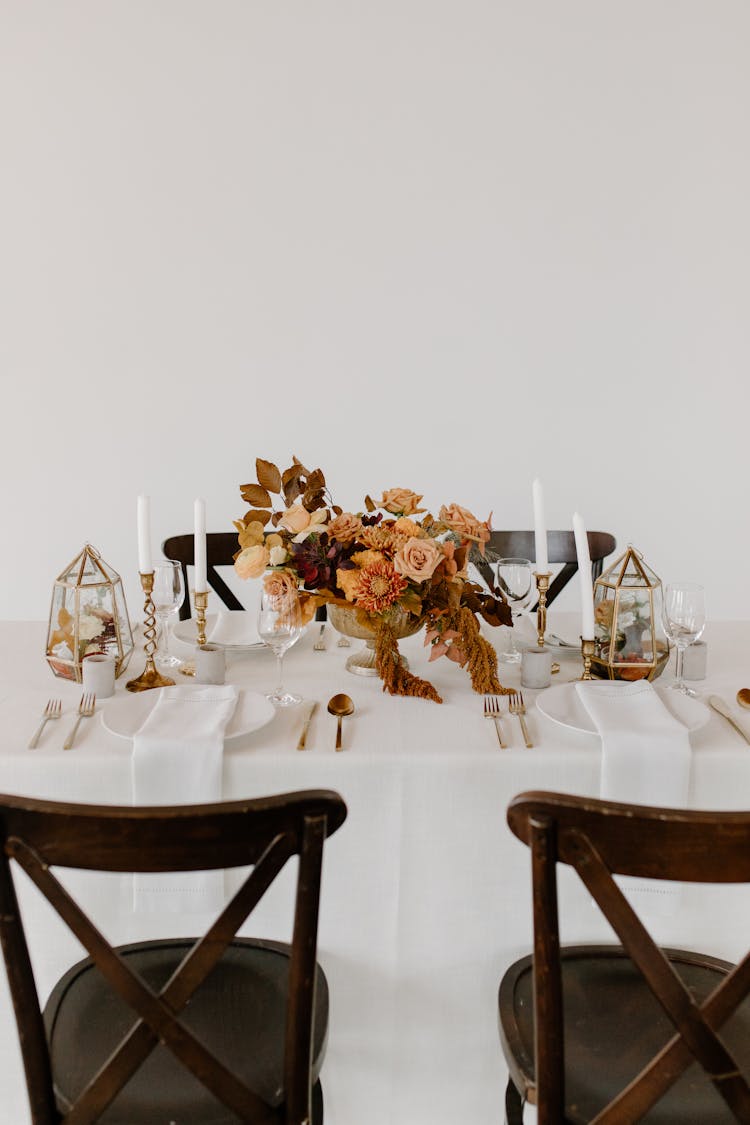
370, 504
254, 494
253, 515
268, 475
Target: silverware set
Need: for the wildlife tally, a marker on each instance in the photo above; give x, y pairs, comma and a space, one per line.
53, 710
320, 644
340, 706
516, 706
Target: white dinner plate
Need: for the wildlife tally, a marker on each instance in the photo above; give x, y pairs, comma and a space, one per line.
563, 705
125, 714
185, 631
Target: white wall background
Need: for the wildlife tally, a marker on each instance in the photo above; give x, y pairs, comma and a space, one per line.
445, 245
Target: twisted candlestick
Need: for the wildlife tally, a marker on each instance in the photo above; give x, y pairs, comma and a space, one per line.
149, 678
200, 598
542, 586
587, 651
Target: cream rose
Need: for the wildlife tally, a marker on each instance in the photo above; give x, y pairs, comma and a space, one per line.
345, 527
251, 562
418, 559
278, 555
464, 523
295, 519
401, 501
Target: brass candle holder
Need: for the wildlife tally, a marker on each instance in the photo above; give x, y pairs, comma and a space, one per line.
200, 598
587, 652
149, 678
542, 586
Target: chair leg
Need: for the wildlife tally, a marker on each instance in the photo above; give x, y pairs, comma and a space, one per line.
513, 1105
317, 1104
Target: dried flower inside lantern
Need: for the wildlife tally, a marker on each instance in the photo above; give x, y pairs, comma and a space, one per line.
628, 633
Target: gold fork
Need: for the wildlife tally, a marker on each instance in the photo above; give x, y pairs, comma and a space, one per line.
518, 708
343, 642
85, 711
53, 710
492, 711
320, 645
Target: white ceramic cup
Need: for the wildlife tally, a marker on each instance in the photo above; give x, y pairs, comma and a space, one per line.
695, 661
536, 668
98, 675
210, 664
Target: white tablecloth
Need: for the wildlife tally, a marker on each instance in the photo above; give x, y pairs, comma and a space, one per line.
426, 894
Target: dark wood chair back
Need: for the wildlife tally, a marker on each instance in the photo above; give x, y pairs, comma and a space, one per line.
561, 548
602, 839
221, 547
264, 833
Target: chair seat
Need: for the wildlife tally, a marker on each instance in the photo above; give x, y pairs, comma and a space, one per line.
85, 1019
613, 1026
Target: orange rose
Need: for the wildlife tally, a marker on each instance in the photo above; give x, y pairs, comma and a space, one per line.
251, 562
417, 559
401, 501
345, 527
465, 524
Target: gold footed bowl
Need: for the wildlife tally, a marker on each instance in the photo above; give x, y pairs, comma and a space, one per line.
351, 624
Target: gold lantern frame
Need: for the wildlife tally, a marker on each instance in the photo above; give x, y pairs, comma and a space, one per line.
609, 588
72, 593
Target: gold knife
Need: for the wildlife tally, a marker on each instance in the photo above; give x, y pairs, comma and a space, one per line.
720, 706
306, 725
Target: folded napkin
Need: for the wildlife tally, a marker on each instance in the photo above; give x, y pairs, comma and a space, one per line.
177, 760
235, 628
645, 761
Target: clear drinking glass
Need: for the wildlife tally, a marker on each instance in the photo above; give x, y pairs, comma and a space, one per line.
280, 626
684, 618
516, 581
167, 596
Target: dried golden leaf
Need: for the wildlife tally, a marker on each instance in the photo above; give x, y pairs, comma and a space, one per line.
301, 467
268, 475
313, 499
254, 494
316, 480
370, 504
253, 515
292, 490
337, 511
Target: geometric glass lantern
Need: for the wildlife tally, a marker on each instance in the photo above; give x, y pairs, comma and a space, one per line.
629, 638
88, 615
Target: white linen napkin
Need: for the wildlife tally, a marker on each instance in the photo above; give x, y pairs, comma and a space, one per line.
177, 760
645, 761
235, 627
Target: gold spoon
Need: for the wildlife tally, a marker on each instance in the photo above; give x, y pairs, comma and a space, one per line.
743, 697
340, 705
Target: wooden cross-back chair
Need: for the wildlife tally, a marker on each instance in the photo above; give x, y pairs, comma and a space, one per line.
221, 547
212, 1030
618, 1034
561, 548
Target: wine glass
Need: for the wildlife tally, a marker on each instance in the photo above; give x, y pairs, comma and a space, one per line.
684, 618
515, 579
279, 626
167, 595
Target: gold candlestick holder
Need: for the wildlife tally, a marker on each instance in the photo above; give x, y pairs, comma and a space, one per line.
200, 598
587, 652
542, 586
149, 678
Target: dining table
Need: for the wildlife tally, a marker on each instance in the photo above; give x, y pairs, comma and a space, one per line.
426, 896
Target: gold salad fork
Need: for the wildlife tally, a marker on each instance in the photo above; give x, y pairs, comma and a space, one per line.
53, 710
492, 711
518, 708
320, 645
85, 711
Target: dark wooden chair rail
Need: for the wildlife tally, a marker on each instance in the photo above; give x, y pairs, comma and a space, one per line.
544, 1052
221, 547
561, 548
262, 833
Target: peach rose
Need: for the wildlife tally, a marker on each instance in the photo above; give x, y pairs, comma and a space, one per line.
281, 586
251, 562
401, 501
295, 519
345, 527
465, 524
417, 559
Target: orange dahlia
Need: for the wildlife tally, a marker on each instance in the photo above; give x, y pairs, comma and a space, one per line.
379, 587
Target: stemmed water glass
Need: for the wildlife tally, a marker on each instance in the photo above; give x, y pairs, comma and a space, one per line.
280, 626
167, 595
515, 579
684, 619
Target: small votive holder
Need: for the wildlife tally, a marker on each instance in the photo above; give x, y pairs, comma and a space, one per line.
210, 664
98, 675
695, 661
536, 668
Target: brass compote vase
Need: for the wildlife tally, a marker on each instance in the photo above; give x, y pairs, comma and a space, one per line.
353, 623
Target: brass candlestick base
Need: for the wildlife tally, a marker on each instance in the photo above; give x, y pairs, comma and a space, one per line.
587, 652
542, 586
149, 678
201, 601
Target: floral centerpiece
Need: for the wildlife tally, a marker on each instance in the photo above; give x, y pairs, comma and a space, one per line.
392, 558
